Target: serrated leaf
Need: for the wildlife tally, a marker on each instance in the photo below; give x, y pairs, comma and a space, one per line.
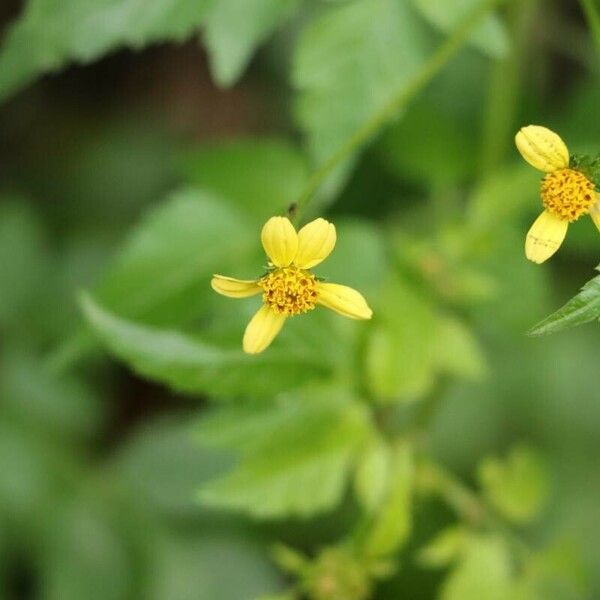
52, 33
518, 486
162, 274
583, 308
189, 365
234, 29
262, 176
392, 523
490, 36
348, 63
294, 458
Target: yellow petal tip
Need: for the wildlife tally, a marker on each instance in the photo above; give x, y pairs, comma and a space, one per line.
542, 148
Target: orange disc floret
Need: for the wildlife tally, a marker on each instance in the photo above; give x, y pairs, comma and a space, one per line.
567, 193
290, 291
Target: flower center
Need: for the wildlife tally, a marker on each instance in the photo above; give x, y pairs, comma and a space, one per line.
567, 193
290, 291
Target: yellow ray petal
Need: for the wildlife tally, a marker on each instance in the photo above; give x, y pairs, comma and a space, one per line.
595, 212
344, 300
316, 240
545, 237
280, 241
542, 148
262, 329
234, 288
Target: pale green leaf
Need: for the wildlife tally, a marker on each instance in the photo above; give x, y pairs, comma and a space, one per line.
52, 33
262, 176
189, 365
484, 571
445, 547
458, 352
349, 62
400, 360
372, 474
234, 29
518, 486
582, 308
295, 456
490, 36
392, 523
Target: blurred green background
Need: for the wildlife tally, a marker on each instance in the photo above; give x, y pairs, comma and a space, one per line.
143, 171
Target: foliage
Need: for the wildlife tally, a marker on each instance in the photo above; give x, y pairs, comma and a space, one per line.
331, 466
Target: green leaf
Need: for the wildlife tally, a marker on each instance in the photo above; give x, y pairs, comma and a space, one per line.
295, 456
490, 36
234, 29
23, 239
458, 352
348, 63
392, 523
189, 365
86, 551
400, 360
209, 564
162, 274
372, 474
52, 33
445, 547
63, 406
583, 308
484, 571
162, 466
359, 258
262, 176
518, 486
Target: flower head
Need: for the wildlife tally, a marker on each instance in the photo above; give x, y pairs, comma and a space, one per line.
567, 192
289, 288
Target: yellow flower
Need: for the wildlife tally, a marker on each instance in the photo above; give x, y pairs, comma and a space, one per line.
289, 288
566, 192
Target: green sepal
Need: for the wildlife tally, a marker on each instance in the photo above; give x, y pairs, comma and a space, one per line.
588, 165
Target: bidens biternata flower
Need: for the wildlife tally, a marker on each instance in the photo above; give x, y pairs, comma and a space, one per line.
289, 288
567, 192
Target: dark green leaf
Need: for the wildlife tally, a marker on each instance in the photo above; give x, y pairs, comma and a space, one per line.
234, 29
583, 308
52, 33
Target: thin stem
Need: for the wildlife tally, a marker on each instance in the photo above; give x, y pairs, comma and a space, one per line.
592, 14
430, 69
504, 87
467, 504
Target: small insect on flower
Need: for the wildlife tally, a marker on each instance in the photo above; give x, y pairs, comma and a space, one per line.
289, 288
566, 191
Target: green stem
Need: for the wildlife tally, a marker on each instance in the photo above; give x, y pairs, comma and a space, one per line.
504, 87
430, 69
592, 14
